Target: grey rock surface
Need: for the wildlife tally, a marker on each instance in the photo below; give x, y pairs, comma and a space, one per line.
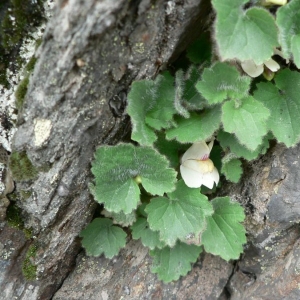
92, 51
128, 276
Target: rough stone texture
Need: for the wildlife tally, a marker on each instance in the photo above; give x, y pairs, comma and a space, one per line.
269, 268
91, 52
128, 276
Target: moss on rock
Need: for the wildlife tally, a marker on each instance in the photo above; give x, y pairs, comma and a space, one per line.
21, 167
21, 92
28, 268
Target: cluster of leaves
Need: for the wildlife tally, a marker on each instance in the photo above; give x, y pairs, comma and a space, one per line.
139, 185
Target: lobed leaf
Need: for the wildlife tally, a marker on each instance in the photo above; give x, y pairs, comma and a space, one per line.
228, 140
232, 169
150, 106
224, 235
191, 97
247, 121
221, 82
120, 218
117, 169
244, 34
177, 217
282, 99
198, 127
171, 263
288, 21
140, 230
101, 237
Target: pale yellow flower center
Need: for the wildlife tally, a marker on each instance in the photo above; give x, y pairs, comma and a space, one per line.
206, 166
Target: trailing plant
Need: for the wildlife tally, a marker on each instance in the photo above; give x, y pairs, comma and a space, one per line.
156, 185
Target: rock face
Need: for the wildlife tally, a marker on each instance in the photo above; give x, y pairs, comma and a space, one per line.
92, 51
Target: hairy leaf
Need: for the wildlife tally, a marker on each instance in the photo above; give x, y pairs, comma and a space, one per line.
140, 230
244, 34
198, 127
247, 121
101, 237
171, 263
221, 82
232, 169
182, 214
224, 234
228, 140
118, 169
120, 218
282, 99
288, 21
150, 106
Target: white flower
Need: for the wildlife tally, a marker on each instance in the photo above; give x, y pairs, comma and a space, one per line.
274, 2
254, 70
196, 168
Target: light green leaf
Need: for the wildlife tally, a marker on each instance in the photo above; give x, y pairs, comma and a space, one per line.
171, 263
288, 21
228, 140
178, 102
296, 50
198, 127
247, 121
283, 101
161, 112
224, 235
150, 104
140, 230
221, 82
232, 169
180, 216
191, 98
101, 237
117, 169
244, 34
120, 218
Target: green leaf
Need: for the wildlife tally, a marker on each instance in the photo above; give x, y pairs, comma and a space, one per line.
221, 82
232, 169
171, 149
180, 216
101, 237
120, 218
171, 263
200, 51
140, 230
247, 121
191, 98
118, 169
198, 127
244, 34
288, 21
283, 101
178, 102
150, 104
296, 50
228, 140
161, 113
224, 235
